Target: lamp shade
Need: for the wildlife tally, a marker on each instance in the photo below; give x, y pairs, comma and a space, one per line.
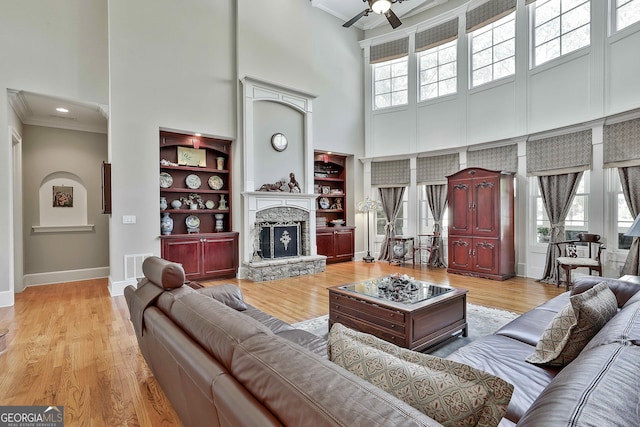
634, 230
380, 6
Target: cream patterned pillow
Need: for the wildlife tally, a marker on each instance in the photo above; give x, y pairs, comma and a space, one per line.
574, 326
450, 392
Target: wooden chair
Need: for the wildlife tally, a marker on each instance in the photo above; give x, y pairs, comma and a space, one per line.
569, 259
429, 243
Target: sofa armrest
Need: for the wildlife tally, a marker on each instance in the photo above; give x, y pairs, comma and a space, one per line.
622, 289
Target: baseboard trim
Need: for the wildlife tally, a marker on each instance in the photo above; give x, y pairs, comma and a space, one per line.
65, 276
117, 288
7, 298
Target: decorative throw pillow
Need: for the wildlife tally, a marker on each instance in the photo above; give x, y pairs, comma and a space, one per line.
228, 294
574, 326
450, 392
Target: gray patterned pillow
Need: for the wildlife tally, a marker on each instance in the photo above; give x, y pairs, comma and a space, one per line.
450, 392
574, 326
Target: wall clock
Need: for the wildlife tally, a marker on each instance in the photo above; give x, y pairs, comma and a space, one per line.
279, 142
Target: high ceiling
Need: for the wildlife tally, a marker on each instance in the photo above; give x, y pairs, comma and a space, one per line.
347, 9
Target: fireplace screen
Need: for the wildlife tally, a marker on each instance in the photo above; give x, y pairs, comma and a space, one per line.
279, 240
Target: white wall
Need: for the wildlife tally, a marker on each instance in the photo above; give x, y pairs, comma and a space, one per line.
52, 47
585, 86
180, 70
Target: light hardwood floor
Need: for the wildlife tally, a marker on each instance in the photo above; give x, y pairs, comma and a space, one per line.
73, 345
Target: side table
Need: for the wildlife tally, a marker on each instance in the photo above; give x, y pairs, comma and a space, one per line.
399, 247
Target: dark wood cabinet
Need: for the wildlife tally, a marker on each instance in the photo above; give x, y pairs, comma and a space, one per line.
334, 239
197, 169
336, 243
481, 239
204, 255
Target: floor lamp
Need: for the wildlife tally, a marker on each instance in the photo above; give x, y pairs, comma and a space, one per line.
366, 206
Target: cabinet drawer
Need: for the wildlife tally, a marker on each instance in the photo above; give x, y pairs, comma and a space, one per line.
369, 317
366, 307
366, 327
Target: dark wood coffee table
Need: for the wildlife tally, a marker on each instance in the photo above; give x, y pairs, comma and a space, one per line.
439, 313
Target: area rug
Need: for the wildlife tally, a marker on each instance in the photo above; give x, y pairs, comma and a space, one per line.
482, 321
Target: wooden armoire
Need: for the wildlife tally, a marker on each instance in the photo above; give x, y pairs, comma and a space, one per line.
481, 223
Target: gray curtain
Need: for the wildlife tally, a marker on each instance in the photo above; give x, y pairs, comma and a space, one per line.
630, 179
557, 194
437, 198
391, 201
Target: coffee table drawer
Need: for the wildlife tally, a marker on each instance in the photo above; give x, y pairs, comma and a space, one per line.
366, 327
365, 307
357, 313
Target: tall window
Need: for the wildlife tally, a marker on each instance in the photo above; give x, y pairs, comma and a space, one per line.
426, 220
438, 70
627, 12
560, 27
577, 220
390, 83
493, 51
622, 215
402, 219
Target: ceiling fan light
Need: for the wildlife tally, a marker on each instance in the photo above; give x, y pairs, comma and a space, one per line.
380, 6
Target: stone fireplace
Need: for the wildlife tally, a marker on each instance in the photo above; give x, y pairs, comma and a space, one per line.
278, 220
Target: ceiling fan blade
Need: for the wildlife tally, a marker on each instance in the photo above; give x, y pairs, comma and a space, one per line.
393, 19
353, 20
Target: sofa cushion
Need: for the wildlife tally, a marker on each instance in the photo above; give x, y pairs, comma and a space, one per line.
504, 357
600, 388
573, 327
304, 389
217, 328
528, 327
229, 295
624, 328
622, 289
162, 273
450, 392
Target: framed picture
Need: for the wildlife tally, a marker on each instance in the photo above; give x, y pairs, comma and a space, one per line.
62, 196
192, 157
326, 189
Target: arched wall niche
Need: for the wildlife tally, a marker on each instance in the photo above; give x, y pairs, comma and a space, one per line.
67, 218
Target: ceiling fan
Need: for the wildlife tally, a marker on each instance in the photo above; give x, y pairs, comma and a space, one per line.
383, 7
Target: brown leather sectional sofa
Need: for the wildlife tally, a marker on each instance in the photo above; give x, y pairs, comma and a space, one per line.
222, 362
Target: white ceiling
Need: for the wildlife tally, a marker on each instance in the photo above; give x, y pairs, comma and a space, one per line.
347, 9
40, 110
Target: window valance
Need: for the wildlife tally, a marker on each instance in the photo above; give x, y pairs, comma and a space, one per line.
498, 158
488, 12
440, 34
434, 169
560, 154
390, 172
388, 51
622, 144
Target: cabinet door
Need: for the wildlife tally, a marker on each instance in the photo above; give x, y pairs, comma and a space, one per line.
188, 252
460, 253
324, 243
486, 255
220, 256
486, 206
343, 244
460, 199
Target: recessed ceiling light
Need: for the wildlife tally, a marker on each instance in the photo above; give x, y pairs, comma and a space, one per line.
62, 110
198, 134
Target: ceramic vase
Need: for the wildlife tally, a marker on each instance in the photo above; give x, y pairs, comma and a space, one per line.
222, 204
163, 203
176, 204
219, 223
166, 224
220, 163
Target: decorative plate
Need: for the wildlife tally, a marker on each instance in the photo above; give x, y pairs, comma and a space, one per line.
166, 180
192, 221
209, 204
215, 182
324, 203
193, 181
